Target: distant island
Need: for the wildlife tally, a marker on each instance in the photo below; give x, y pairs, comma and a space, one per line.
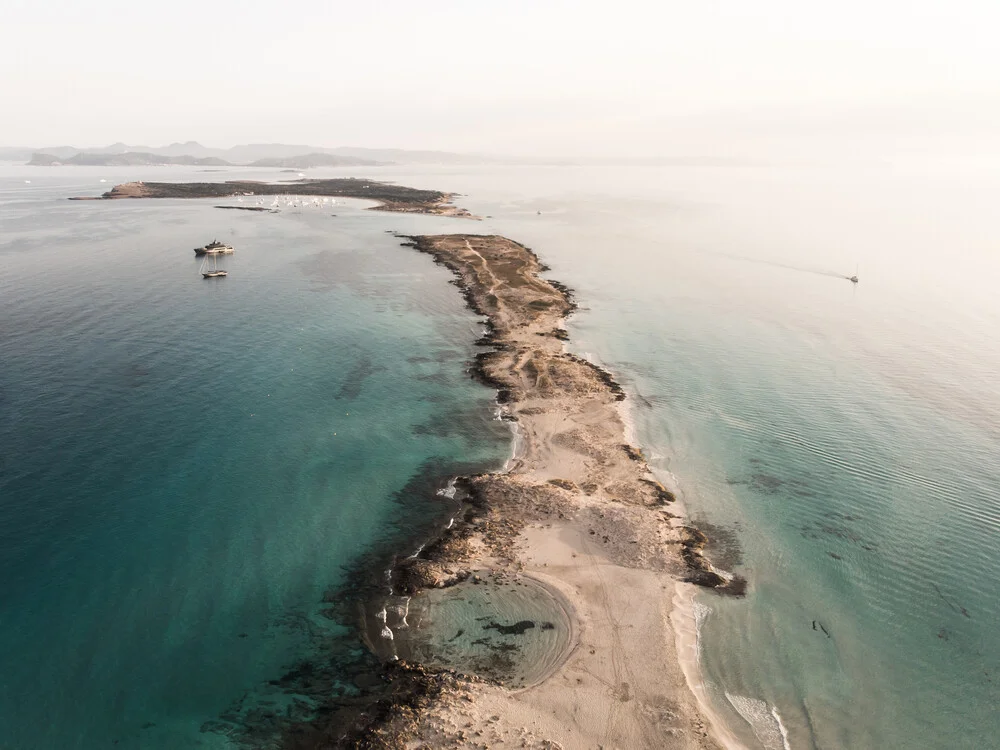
147, 159
264, 155
390, 197
128, 159
301, 156
305, 161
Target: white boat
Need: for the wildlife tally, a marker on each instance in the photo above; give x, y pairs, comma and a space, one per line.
213, 271
215, 248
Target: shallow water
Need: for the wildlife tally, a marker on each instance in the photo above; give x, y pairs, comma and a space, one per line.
844, 440
188, 465
515, 632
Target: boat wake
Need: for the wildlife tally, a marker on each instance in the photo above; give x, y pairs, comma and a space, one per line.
786, 266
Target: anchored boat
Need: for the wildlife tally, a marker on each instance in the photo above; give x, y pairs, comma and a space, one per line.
215, 248
212, 271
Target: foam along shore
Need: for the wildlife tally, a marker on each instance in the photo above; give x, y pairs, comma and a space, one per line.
389, 197
577, 510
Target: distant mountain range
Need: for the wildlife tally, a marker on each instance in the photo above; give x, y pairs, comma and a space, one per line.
193, 153
146, 158
289, 156
127, 159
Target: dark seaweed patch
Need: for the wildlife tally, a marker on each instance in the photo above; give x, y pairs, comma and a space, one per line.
354, 381
337, 694
766, 483
472, 424
770, 484
722, 545
518, 628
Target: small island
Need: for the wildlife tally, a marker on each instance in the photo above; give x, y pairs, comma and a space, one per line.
389, 197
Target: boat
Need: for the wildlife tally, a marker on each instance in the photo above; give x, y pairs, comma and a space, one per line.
214, 272
853, 279
215, 248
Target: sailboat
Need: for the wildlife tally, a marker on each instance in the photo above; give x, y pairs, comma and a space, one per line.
214, 272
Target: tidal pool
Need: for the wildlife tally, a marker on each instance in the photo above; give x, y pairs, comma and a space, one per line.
514, 632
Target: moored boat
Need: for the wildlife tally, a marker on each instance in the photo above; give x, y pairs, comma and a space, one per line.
212, 271
215, 248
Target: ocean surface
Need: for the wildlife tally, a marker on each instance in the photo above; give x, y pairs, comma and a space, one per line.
187, 466
165, 553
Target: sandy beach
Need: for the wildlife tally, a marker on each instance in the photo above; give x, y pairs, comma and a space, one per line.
578, 510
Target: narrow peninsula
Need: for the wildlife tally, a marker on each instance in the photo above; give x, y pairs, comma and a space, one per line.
575, 520
576, 511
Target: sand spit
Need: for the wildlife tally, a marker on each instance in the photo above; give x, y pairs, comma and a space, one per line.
579, 510
390, 197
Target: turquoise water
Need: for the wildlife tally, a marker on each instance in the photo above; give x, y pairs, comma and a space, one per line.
187, 466
844, 440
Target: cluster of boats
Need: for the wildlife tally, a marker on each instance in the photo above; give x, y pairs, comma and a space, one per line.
288, 201
210, 266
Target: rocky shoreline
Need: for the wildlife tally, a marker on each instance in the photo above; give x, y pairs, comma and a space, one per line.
574, 473
576, 509
390, 197
495, 368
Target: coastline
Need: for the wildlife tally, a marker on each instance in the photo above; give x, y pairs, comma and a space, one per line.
578, 509
685, 621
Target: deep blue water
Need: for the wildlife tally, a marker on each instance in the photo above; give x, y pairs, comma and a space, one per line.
187, 465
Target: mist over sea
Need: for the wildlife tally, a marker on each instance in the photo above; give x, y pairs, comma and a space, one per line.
186, 466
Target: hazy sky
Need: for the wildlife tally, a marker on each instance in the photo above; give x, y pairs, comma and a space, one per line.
515, 77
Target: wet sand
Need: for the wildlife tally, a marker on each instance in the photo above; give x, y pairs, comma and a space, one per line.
578, 509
